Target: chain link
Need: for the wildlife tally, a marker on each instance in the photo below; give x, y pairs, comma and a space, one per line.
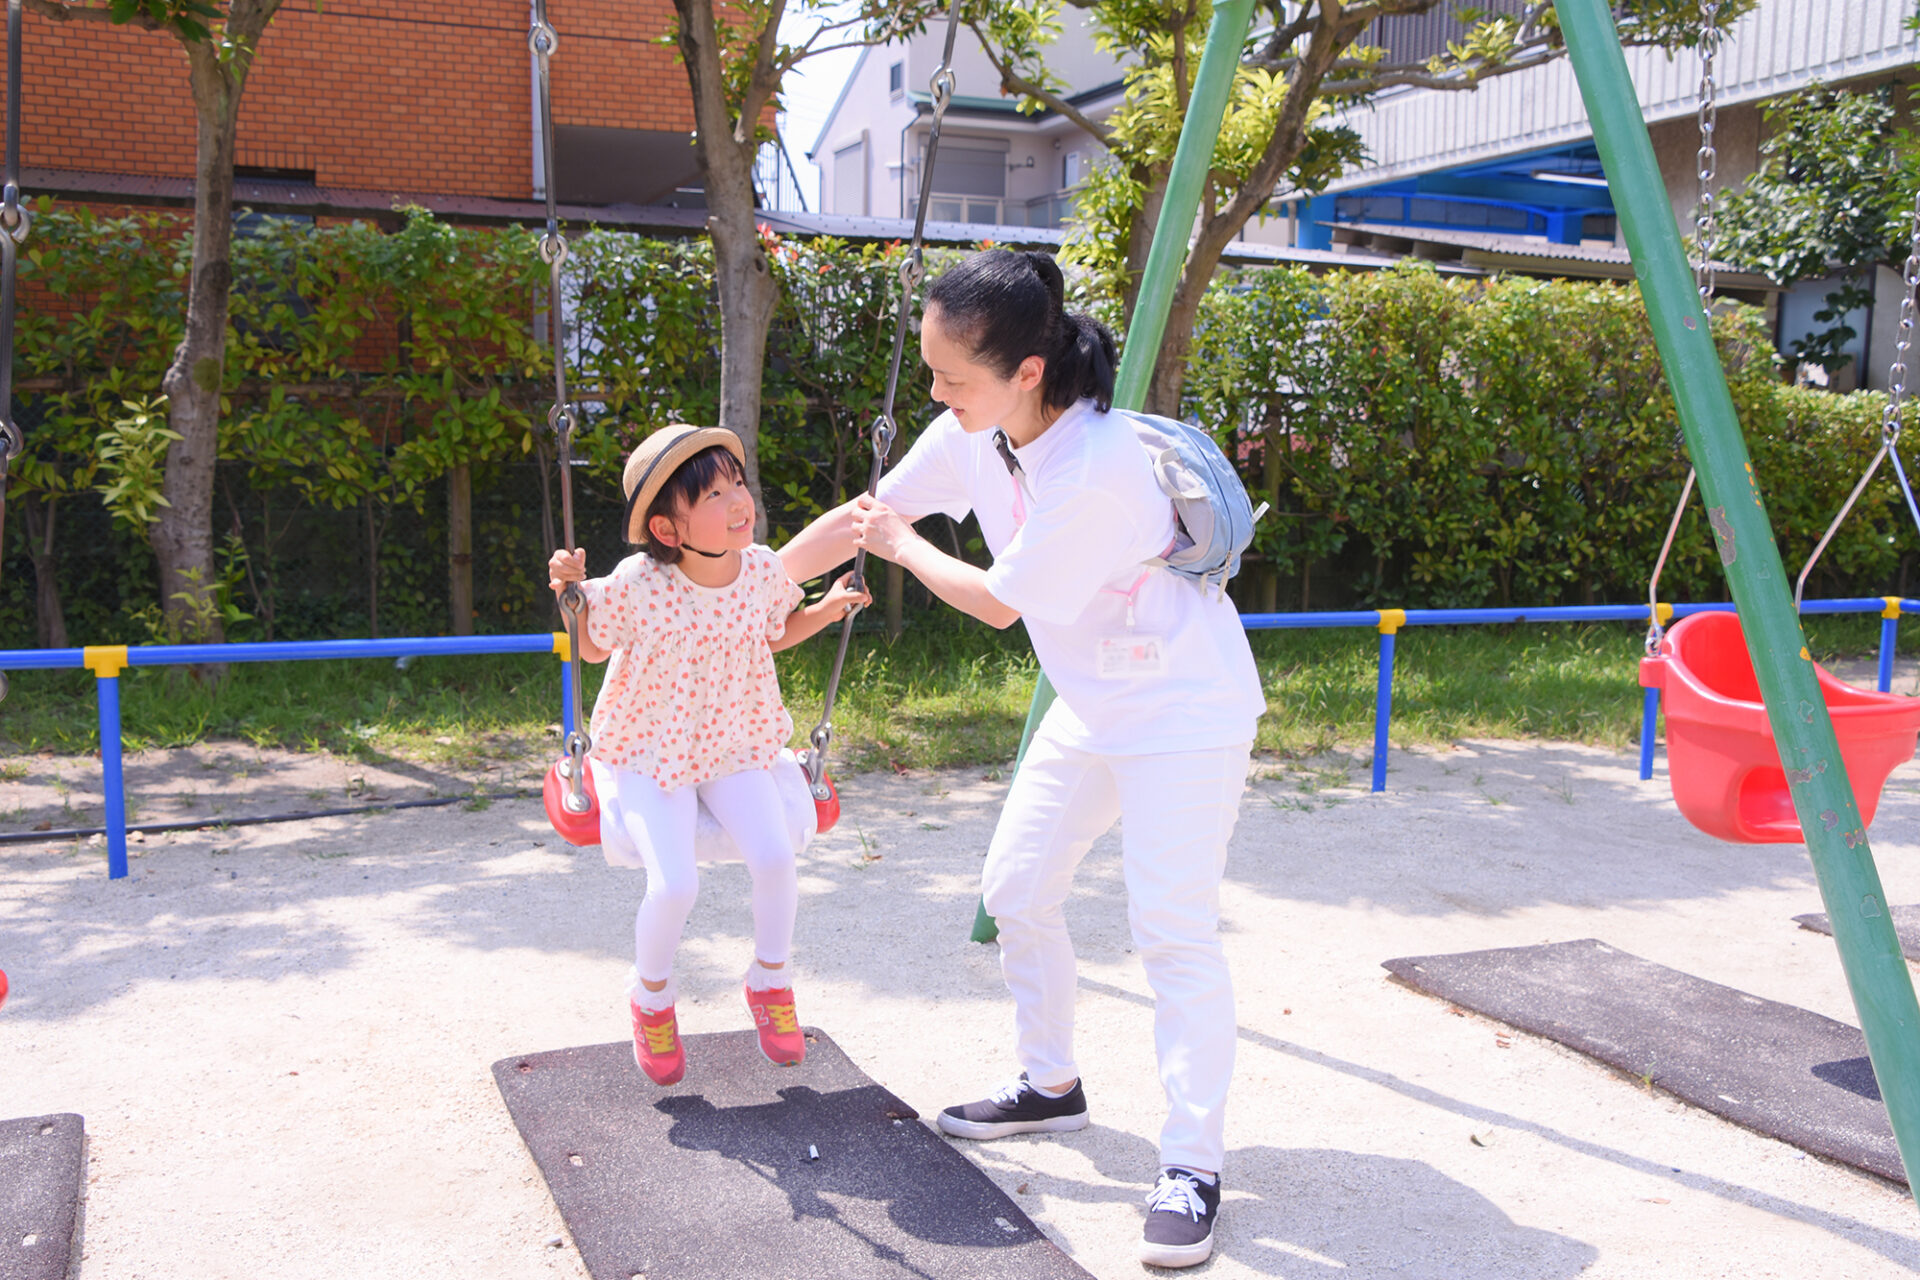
15, 222
562, 418
1706, 163
1897, 375
1707, 159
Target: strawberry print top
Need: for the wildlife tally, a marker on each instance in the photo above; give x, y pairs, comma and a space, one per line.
690, 693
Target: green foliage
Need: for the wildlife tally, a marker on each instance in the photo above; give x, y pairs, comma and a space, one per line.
187, 19
132, 453
1451, 442
1834, 192
1423, 439
363, 365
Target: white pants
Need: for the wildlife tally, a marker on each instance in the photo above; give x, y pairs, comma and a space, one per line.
1177, 811
748, 806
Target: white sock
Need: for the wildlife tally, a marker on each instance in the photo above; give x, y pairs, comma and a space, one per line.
761, 978
653, 1001
1058, 1091
1210, 1179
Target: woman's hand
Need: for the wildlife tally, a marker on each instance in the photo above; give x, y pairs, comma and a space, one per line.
880, 529
566, 567
841, 599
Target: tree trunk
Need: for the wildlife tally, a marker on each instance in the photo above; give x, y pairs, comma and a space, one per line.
460, 548
49, 617
183, 534
373, 573
741, 270
1329, 40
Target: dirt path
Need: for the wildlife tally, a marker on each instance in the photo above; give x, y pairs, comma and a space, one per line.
280, 1036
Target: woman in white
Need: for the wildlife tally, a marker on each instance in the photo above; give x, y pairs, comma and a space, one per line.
1155, 716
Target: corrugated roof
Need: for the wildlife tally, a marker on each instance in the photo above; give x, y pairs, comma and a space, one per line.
1493, 250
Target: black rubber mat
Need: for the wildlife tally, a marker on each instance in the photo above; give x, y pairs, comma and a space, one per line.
1906, 926
745, 1170
1785, 1072
42, 1168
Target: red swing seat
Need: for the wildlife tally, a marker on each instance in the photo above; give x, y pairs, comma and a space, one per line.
1721, 758
584, 828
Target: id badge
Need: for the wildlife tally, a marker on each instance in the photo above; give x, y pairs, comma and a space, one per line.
1130, 656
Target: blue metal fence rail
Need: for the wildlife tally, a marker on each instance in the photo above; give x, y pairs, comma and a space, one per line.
108, 661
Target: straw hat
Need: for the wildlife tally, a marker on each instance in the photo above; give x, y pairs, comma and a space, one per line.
658, 457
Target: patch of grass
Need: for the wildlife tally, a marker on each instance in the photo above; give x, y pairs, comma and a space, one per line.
948, 692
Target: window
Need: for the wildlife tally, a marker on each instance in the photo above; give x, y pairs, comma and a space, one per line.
1073, 169
896, 80
970, 171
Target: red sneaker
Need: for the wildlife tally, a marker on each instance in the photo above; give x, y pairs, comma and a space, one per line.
778, 1024
657, 1046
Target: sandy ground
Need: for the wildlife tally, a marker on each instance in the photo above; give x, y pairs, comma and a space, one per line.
280, 1036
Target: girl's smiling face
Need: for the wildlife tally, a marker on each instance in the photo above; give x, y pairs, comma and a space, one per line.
720, 517
979, 395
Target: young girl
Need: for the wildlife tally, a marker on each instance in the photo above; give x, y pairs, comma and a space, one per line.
1158, 696
690, 713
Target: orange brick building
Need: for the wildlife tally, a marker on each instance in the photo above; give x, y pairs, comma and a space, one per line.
356, 103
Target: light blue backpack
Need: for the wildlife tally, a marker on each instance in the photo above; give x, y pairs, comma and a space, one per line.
1214, 516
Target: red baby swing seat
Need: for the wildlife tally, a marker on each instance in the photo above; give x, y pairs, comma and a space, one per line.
1721, 758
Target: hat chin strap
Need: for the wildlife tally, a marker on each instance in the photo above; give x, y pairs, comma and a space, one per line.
711, 555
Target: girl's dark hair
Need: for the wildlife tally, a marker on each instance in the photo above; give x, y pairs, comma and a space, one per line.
688, 481
1005, 306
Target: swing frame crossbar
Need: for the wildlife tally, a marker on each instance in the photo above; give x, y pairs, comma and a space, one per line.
108, 661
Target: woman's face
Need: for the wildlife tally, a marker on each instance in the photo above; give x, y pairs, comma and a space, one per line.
980, 398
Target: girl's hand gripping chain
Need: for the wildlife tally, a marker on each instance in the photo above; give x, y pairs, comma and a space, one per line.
565, 569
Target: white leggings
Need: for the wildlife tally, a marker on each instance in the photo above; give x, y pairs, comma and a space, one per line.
748, 807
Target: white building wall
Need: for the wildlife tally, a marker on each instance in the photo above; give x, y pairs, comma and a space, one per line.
1035, 149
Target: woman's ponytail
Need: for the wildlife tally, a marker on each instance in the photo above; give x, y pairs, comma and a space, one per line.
1084, 366
1004, 306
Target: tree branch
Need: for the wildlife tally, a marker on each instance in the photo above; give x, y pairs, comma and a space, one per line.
1013, 82
69, 12
1468, 76
765, 79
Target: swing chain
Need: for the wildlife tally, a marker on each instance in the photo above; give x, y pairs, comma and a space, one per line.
1706, 164
15, 222
885, 429
562, 418
1890, 422
1707, 159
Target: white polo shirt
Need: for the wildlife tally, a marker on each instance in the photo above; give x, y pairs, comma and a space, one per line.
1070, 552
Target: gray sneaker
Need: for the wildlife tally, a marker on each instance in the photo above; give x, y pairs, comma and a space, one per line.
1017, 1107
1181, 1212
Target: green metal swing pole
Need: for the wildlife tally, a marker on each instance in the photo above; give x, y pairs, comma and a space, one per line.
1822, 797
1192, 160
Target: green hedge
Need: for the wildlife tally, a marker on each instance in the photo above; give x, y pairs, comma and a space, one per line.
1441, 441
1423, 439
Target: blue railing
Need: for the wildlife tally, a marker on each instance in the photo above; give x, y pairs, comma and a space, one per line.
107, 661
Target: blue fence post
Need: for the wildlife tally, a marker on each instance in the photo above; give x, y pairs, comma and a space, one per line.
1661, 614
564, 649
1649, 727
1889, 641
106, 662
1391, 620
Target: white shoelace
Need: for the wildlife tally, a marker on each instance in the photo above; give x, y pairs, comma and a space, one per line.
1009, 1093
1175, 1193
